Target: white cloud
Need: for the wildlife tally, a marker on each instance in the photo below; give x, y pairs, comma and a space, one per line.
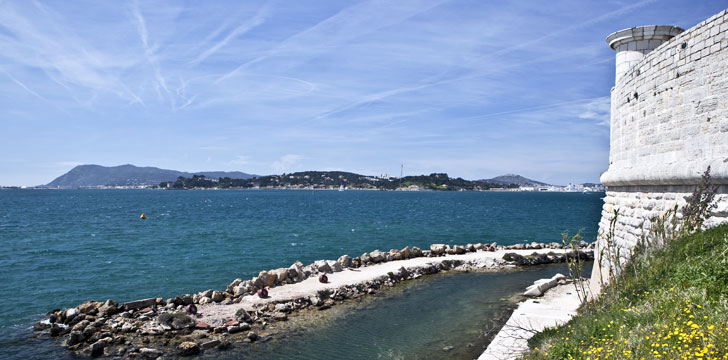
286, 162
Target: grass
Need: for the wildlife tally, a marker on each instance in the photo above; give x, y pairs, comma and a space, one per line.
672, 304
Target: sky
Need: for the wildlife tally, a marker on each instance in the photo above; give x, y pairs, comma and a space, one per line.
475, 89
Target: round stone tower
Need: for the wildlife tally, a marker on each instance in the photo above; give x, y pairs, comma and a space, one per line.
634, 43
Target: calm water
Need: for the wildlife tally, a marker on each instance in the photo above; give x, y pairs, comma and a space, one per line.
62, 247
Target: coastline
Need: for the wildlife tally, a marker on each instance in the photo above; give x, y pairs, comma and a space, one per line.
154, 326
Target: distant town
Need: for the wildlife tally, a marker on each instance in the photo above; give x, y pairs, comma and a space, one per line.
133, 177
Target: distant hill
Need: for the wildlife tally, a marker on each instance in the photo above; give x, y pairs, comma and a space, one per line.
129, 175
508, 179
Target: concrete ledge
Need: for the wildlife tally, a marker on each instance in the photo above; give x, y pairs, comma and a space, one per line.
679, 173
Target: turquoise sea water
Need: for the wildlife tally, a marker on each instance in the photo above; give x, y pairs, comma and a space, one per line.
62, 247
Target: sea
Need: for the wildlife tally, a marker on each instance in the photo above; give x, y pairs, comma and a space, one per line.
63, 247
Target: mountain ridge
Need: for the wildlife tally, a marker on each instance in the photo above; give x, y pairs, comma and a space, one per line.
519, 180
129, 175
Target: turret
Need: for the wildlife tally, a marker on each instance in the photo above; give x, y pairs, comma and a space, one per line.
634, 43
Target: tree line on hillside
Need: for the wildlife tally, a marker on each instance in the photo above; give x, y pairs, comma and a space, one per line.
333, 179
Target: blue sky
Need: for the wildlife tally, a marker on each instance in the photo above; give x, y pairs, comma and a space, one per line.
472, 88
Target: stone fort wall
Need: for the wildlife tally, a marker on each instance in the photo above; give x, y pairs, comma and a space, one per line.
669, 122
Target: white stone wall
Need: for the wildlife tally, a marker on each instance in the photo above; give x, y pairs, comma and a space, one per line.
669, 122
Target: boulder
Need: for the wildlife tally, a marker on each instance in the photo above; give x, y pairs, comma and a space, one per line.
344, 261
377, 256
539, 287
280, 274
458, 249
438, 249
479, 246
97, 349
257, 282
406, 252
242, 288
204, 300
297, 268
218, 296
535, 245
356, 262
186, 299
396, 254
322, 266
365, 258
335, 266
207, 293
231, 287
188, 348
470, 247
416, 252
89, 308
108, 308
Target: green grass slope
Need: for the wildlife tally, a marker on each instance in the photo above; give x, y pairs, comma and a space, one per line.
672, 305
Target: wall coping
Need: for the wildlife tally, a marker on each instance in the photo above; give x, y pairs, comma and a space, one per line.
679, 173
647, 32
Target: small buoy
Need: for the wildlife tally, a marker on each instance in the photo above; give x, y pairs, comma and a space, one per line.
191, 309
263, 293
323, 278
143, 216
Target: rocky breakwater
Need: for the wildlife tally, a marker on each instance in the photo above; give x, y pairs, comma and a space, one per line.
246, 310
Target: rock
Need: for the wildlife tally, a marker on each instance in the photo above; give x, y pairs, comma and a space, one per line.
536, 246
150, 353
108, 308
187, 299
188, 348
70, 314
210, 344
479, 246
176, 321
377, 256
298, 268
281, 274
322, 266
97, 348
406, 252
203, 326
365, 259
555, 245
231, 287
438, 249
81, 325
335, 266
416, 252
470, 247
396, 254
344, 261
456, 249
356, 262
218, 296
204, 300
89, 308
127, 327
41, 326
279, 316
252, 335
206, 293
138, 304
242, 288
75, 337
448, 348
583, 244
234, 329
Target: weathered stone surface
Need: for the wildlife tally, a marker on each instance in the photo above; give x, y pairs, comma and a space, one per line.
138, 304
395, 254
108, 308
89, 307
458, 249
